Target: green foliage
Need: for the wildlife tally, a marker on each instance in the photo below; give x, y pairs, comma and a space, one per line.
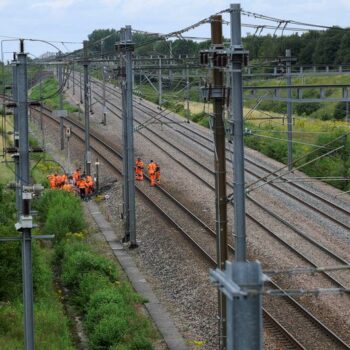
109, 305
328, 47
306, 109
62, 212
50, 94
82, 262
51, 326
340, 111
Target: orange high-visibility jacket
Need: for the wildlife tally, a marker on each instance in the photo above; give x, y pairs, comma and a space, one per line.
151, 168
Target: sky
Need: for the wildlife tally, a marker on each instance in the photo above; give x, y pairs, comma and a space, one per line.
73, 20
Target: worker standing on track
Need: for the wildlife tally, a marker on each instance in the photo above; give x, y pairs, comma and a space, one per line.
139, 169
89, 186
157, 171
152, 172
82, 187
76, 177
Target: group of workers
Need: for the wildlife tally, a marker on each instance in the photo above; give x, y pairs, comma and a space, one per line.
153, 171
77, 183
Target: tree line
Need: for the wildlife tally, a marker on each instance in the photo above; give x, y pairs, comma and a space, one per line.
331, 46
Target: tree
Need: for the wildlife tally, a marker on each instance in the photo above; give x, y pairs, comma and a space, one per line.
102, 41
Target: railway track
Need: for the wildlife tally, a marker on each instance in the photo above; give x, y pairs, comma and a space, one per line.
329, 258
207, 144
314, 324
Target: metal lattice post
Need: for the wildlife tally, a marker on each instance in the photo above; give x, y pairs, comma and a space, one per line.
127, 46
60, 85
187, 94
24, 171
125, 153
289, 110
73, 79
104, 121
160, 87
90, 94
16, 135
244, 312
130, 136
237, 132
86, 113
80, 89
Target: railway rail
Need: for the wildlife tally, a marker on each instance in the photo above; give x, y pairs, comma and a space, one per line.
190, 133
314, 324
330, 257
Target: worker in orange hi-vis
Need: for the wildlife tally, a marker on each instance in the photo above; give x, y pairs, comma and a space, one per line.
64, 178
157, 171
139, 169
152, 172
76, 177
82, 188
89, 185
59, 181
68, 187
52, 181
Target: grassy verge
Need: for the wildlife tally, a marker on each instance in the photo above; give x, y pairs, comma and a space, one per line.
50, 94
109, 307
309, 135
51, 325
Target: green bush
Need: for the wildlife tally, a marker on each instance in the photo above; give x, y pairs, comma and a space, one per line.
306, 108
340, 111
62, 212
76, 265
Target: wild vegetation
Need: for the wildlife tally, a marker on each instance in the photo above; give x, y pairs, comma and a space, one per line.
49, 94
108, 305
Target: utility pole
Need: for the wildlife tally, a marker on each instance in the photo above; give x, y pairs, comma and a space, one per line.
90, 94
244, 319
126, 48
170, 63
160, 83
73, 78
25, 221
80, 89
289, 110
87, 167
187, 94
60, 85
104, 121
218, 93
16, 134
97, 173
242, 280
40, 97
